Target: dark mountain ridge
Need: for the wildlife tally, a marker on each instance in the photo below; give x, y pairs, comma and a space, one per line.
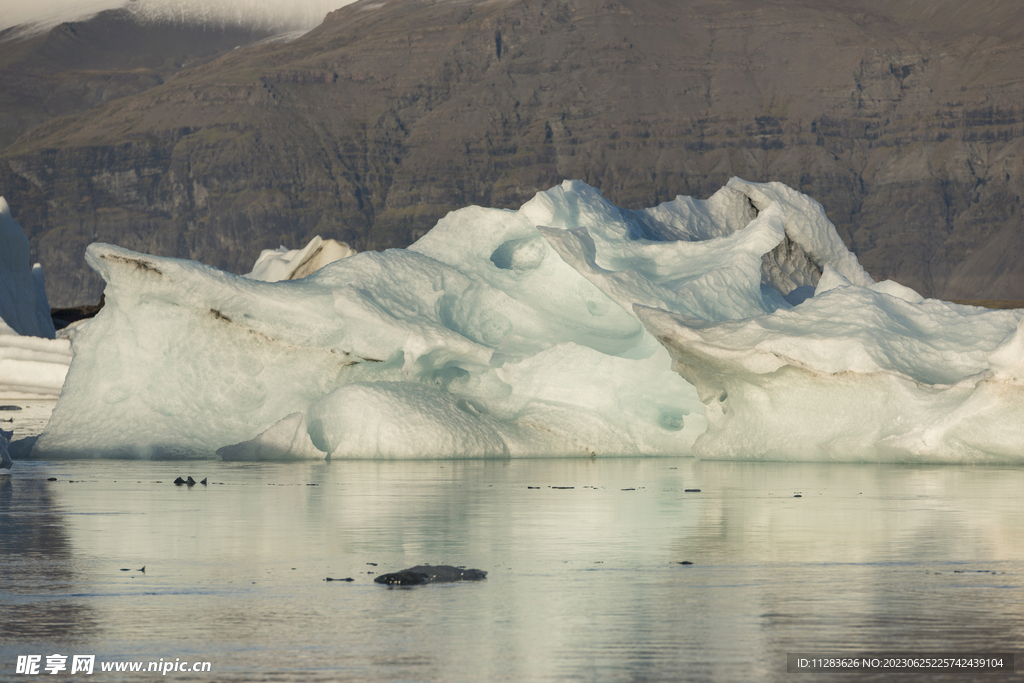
903, 118
78, 65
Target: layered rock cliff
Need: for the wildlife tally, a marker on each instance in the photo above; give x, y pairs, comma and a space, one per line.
903, 118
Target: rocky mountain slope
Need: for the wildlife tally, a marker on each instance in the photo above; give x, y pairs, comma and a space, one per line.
78, 65
903, 118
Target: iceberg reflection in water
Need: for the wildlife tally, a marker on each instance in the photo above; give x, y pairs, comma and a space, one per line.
583, 583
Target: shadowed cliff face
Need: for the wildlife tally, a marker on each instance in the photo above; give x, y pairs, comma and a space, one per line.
903, 118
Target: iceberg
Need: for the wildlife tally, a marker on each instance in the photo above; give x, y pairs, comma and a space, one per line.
32, 367
23, 304
478, 341
738, 326
32, 362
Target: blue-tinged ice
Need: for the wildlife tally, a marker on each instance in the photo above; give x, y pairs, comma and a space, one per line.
733, 327
23, 304
32, 362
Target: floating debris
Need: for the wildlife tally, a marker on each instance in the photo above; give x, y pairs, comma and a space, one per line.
444, 573
405, 578
425, 573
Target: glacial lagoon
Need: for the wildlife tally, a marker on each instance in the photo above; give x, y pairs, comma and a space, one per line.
585, 581
599, 568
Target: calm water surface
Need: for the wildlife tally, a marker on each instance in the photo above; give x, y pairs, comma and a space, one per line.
584, 584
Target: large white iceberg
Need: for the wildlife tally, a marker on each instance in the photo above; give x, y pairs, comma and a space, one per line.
545, 331
32, 362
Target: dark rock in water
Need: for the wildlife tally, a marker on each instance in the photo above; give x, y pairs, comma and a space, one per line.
190, 481
52, 479
10, 407
446, 574
345, 579
203, 482
684, 562
404, 578
691, 491
179, 481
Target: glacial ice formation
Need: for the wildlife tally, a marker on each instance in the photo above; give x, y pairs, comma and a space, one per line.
853, 374
504, 351
32, 366
274, 265
548, 331
23, 304
32, 362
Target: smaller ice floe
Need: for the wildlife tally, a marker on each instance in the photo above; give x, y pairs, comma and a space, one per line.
275, 265
32, 362
855, 373
23, 303
32, 367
